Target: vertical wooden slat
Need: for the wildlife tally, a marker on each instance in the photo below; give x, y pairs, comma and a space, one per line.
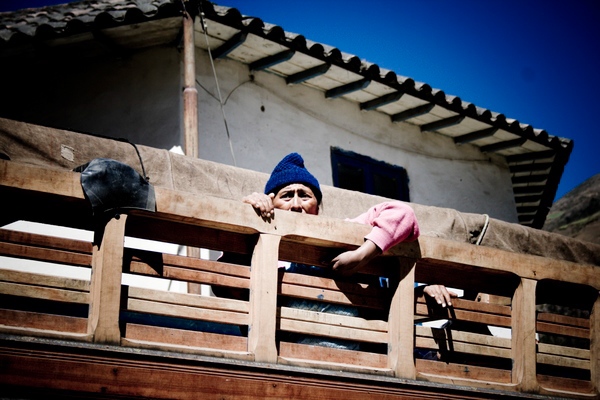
523, 319
263, 299
401, 323
105, 286
190, 93
595, 346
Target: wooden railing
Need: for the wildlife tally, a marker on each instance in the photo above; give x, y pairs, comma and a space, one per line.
545, 353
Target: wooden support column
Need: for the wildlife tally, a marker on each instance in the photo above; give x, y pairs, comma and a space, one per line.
401, 326
595, 346
523, 322
105, 286
190, 111
263, 299
190, 93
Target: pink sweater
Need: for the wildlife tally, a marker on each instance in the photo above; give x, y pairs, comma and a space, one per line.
393, 222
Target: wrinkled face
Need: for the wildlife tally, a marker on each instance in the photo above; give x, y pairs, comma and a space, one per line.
297, 197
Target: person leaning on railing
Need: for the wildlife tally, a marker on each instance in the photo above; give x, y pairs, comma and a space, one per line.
292, 187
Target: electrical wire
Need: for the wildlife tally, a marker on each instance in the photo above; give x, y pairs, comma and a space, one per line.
220, 98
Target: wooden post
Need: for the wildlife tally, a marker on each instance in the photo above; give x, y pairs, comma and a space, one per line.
595, 346
263, 299
401, 325
190, 110
523, 323
105, 286
190, 93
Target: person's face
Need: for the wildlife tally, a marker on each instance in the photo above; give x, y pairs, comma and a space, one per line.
297, 197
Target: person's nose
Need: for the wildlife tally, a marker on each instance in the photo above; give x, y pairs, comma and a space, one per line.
296, 204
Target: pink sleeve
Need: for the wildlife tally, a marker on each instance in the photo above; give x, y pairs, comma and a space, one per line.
393, 222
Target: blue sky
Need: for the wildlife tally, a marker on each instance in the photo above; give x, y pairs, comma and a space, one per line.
531, 60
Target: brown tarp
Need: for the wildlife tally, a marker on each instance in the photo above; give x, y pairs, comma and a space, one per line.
59, 149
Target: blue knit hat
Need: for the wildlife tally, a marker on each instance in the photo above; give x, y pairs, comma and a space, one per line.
292, 170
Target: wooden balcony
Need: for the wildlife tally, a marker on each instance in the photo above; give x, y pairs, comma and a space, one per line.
105, 338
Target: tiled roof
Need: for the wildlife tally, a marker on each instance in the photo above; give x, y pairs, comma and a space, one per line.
536, 159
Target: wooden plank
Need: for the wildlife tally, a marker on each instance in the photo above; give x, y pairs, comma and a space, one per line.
332, 319
190, 275
470, 305
465, 337
47, 255
239, 271
451, 274
105, 287
523, 336
564, 320
190, 300
263, 299
39, 179
36, 292
558, 383
463, 347
189, 232
44, 241
544, 327
26, 319
354, 285
470, 372
339, 332
401, 339
562, 361
35, 279
595, 346
563, 351
181, 337
53, 374
171, 310
293, 353
331, 296
462, 315
523, 265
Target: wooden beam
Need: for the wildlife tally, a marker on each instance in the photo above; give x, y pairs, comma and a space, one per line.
347, 88
381, 101
529, 167
508, 144
473, 136
190, 93
271, 60
442, 123
307, 74
263, 299
528, 199
523, 337
413, 112
529, 190
230, 45
105, 285
28, 177
538, 155
538, 178
401, 335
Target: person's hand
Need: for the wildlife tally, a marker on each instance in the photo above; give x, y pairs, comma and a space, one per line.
352, 261
440, 294
262, 203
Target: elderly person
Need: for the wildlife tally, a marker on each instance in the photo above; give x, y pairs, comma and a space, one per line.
292, 187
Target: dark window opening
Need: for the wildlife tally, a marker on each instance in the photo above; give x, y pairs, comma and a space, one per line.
353, 171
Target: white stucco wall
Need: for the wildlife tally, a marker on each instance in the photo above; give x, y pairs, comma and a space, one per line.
267, 119
139, 98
